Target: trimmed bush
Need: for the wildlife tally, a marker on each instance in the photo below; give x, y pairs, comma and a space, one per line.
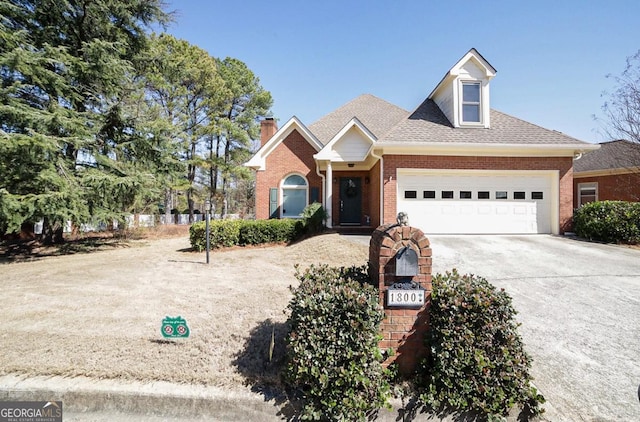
333, 360
221, 233
477, 360
608, 221
225, 233
255, 232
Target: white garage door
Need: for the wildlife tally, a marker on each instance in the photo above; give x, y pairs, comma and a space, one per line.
478, 202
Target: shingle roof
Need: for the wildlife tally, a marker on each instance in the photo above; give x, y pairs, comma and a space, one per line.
429, 125
617, 154
378, 115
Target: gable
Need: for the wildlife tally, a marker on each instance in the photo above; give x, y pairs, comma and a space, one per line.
294, 153
450, 95
471, 70
258, 161
351, 144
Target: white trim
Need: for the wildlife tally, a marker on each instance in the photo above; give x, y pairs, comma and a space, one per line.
282, 187
329, 193
326, 152
461, 103
605, 172
381, 186
585, 186
481, 149
324, 186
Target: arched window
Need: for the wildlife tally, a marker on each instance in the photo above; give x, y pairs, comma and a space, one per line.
295, 194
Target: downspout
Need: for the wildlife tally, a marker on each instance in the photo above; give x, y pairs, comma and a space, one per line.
324, 191
379, 157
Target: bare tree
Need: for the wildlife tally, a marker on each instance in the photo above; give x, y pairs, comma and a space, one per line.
622, 109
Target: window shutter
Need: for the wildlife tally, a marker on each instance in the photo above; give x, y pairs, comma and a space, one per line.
273, 202
314, 195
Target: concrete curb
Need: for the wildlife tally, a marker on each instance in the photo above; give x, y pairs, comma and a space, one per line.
84, 395
100, 400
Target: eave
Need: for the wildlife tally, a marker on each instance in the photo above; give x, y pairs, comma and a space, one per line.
478, 149
605, 172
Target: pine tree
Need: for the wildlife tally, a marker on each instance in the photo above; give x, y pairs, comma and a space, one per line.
183, 86
237, 124
63, 66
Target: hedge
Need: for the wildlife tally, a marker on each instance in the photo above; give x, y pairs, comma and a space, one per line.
254, 232
608, 221
333, 360
477, 360
225, 233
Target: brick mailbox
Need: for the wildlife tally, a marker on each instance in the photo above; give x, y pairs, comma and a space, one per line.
400, 260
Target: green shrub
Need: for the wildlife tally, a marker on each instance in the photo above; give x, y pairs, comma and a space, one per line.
477, 360
244, 232
608, 221
314, 216
333, 359
221, 233
255, 232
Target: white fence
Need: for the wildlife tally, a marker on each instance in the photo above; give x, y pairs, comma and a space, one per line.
144, 220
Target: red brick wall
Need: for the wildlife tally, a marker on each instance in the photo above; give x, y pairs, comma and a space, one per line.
403, 330
619, 187
293, 155
563, 164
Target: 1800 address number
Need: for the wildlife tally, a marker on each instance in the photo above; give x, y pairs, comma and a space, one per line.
405, 298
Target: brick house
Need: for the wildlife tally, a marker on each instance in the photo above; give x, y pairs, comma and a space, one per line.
453, 164
611, 172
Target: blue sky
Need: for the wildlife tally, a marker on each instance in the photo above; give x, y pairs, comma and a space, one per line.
552, 57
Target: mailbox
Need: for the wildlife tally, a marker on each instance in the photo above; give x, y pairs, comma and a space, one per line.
406, 262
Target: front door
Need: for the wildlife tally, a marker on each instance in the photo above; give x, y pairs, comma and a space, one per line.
350, 200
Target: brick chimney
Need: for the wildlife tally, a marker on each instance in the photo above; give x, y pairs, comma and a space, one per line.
268, 128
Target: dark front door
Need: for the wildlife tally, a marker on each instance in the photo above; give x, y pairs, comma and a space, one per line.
350, 200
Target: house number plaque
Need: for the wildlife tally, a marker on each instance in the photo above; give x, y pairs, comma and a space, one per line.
405, 295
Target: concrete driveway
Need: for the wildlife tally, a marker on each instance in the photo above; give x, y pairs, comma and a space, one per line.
579, 305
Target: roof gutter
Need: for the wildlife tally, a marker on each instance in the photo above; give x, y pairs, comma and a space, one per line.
460, 148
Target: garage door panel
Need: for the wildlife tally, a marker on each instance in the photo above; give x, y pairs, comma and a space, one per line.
433, 214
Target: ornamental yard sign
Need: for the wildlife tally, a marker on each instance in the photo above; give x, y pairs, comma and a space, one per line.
174, 327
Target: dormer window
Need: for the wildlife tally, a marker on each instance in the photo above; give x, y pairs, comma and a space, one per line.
463, 93
471, 111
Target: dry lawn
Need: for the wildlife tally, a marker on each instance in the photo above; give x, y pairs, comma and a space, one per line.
99, 314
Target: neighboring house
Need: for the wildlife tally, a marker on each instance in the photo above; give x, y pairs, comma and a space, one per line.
453, 164
610, 173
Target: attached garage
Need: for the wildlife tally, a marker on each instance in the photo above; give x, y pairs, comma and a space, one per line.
479, 201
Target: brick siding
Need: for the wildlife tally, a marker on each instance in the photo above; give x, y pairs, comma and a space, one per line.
619, 187
293, 155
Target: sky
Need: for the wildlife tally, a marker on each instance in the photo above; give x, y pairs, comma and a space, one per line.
552, 57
